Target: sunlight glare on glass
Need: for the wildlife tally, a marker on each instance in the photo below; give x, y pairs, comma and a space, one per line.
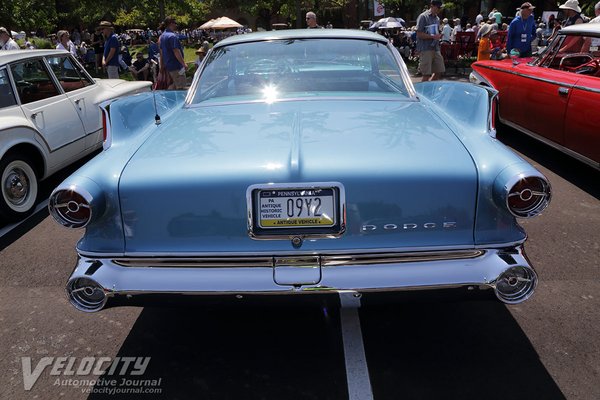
273, 166
270, 93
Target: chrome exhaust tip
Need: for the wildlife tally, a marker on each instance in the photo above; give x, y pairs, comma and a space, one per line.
86, 294
515, 284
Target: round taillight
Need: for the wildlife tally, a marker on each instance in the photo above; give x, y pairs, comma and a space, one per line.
528, 197
70, 208
516, 284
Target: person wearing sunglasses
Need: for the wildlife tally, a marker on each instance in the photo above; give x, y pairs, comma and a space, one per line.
311, 21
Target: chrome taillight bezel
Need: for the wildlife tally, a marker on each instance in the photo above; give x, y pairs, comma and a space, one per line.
540, 204
59, 209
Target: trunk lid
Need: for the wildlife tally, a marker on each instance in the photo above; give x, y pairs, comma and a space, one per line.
409, 181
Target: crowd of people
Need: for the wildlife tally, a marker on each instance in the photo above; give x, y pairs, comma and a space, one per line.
163, 61
495, 39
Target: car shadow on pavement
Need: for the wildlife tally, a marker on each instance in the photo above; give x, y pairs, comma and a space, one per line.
576, 172
455, 350
241, 353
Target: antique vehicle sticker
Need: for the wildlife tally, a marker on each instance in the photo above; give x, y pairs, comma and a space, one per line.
302, 208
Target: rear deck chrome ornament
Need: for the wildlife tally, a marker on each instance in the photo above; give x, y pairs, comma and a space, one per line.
516, 284
86, 295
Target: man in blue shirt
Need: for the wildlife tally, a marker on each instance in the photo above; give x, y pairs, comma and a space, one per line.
521, 31
171, 55
110, 60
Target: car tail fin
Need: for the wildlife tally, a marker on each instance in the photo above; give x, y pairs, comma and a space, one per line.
106, 131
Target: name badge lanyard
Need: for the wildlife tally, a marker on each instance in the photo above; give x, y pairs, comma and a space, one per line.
525, 34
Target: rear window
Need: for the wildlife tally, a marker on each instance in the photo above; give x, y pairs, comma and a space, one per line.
7, 97
270, 70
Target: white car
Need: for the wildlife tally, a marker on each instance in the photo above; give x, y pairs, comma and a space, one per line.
49, 118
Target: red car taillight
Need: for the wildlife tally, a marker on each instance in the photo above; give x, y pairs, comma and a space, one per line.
494, 114
104, 126
528, 197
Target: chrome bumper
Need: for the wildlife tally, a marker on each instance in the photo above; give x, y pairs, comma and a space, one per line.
99, 282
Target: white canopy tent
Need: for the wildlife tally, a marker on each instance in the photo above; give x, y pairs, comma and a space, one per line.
207, 25
225, 23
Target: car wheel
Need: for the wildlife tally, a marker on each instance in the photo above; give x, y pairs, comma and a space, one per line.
19, 187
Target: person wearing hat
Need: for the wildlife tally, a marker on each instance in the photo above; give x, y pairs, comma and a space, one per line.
431, 62
446, 30
597, 11
457, 28
521, 31
485, 44
6, 40
200, 54
110, 60
572, 12
171, 55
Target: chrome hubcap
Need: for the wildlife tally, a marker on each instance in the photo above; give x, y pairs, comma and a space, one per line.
16, 186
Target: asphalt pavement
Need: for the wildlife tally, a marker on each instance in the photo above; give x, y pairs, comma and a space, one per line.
545, 348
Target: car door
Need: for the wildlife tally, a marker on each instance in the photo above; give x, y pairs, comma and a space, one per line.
82, 90
49, 109
537, 99
582, 122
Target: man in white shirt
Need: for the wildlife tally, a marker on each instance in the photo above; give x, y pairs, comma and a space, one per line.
457, 28
6, 40
446, 30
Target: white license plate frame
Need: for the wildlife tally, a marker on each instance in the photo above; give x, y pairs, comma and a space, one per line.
318, 210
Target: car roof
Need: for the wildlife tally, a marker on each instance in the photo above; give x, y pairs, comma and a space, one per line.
302, 34
8, 56
582, 29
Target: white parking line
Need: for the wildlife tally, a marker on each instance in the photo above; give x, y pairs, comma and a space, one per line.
8, 228
357, 371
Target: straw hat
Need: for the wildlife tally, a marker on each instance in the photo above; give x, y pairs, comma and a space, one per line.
571, 5
106, 24
201, 50
485, 29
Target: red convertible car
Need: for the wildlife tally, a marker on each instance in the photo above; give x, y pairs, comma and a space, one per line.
554, 97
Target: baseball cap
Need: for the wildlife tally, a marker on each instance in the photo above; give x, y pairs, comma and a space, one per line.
525, 6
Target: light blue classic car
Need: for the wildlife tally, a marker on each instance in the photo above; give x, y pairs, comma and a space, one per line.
301, 164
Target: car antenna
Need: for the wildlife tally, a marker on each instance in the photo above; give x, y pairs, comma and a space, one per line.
156, 116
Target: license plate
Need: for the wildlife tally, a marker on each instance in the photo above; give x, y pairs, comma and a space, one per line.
297, 208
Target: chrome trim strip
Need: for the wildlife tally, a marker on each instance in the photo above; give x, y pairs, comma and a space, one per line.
196, 262
398, 97
535, 78
574, 154
141, 254
587, 89
404, 71
325, 260
393, 258
546, 80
